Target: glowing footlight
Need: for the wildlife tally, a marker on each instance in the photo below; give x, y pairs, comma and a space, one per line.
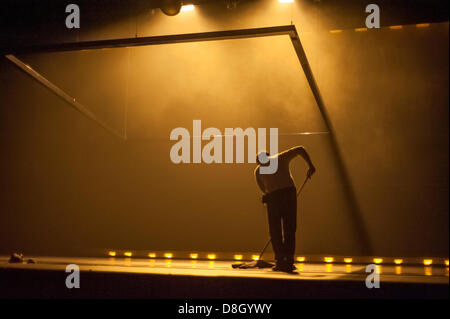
328, 259
427, 262
446, 262
112, 253
211, 256
398, 261
151, 255
348, 260
301, 259
168, 255
238, 257
255, 257
128, 254
193, 256
378, 260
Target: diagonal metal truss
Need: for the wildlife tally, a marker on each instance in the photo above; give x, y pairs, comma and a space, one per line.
289, 30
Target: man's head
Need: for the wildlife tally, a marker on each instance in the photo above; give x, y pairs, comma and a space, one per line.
263, 158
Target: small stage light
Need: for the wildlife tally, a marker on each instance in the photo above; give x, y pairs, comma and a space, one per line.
422, 25
427, 262
128, 254
188, 7
255, 257
398, 261
168, 255
238, 257
360, 29
395, 27
446, 262
301, 259
151, 255
378, 260
211, 256
328, 259
193, 256
112, 253
348, 260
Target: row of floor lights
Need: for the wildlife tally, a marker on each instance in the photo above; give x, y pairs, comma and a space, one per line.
347, 260
391, 27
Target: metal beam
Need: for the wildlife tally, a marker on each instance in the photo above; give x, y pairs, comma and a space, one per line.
359, 225
155, 40
59, 92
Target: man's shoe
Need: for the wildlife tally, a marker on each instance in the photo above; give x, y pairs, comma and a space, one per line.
279, 268
285, 268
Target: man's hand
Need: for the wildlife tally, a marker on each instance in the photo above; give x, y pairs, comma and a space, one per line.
311, 171
264, 199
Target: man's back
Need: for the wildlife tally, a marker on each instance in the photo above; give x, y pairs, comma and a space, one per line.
280, 179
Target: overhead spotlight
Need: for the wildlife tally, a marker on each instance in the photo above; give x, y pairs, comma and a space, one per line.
188, 7
170, 7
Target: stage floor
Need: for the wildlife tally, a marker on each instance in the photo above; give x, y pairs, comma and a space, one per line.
204, 268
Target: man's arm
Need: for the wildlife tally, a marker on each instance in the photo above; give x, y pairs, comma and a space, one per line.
301, 151
261, 186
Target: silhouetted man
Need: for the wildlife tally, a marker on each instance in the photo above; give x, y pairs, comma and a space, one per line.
280, 196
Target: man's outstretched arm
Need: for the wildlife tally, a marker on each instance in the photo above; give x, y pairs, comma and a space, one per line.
301, 151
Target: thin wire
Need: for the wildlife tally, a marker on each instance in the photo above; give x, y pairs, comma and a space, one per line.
292, 13
279, 134
127, 97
